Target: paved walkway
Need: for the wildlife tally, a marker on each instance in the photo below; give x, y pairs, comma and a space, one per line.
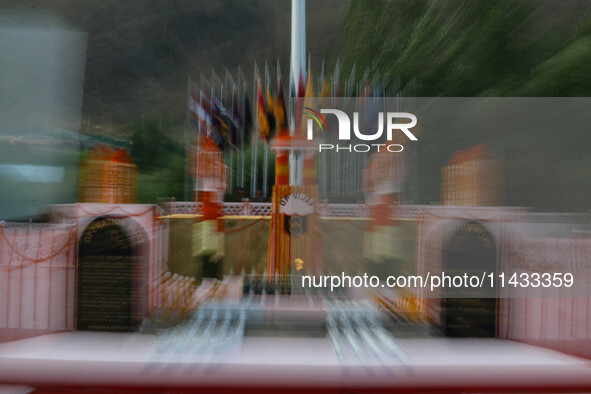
82, 359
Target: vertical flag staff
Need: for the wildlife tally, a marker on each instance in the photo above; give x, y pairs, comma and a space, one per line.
298, 67
243, 125
192, 106
266, 146
255, 137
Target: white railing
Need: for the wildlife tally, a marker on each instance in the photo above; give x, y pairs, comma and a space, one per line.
248, 208
344, 210
229, 208
36, 227
325, 209
182, 207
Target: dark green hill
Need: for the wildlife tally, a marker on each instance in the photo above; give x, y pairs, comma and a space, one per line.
473, 47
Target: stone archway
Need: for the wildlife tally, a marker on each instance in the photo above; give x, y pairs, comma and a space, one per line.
111, 275
470, 313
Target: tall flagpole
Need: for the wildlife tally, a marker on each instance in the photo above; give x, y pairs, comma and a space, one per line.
199, 132
298, 40
243, 135
298, 66
266, 146
185, 143
232, 174
253, 183
240, 158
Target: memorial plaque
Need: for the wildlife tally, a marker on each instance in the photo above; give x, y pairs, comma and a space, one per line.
470, 317
470, 312
109, 286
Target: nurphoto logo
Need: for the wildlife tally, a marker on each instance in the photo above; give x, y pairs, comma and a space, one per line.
393, 124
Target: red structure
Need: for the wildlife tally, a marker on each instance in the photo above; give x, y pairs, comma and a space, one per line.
209, 171
108, 176
471, 178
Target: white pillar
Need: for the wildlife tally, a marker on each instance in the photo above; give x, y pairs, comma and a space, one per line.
298, 40
298, 65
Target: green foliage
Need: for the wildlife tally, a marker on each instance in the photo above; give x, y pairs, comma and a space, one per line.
167, 182
469, 47
248, 153
152, 147
529, 48
161, 162
564, 74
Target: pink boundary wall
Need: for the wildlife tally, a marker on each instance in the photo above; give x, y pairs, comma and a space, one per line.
562, 323
37, 275
38, 265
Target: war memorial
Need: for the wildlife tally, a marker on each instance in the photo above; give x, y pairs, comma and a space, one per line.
335, 282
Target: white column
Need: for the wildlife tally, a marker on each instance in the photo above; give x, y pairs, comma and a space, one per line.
298, 65
298, 40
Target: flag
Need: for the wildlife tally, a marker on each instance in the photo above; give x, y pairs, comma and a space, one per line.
301, 86
193, 108
325, 89
194, 101
199, 110
219, 128
308, 101
235, 123
202, 114
280, 113
262, 120
270, 108
246, 120
309, 93
325, 92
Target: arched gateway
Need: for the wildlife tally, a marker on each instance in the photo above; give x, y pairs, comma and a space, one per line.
470, 250
112, 281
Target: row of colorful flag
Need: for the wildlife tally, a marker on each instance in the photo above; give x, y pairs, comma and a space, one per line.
226, 123
222, 111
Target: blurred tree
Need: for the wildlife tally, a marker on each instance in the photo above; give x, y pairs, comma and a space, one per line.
160, 160
248, 156
471, 47
152, 146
